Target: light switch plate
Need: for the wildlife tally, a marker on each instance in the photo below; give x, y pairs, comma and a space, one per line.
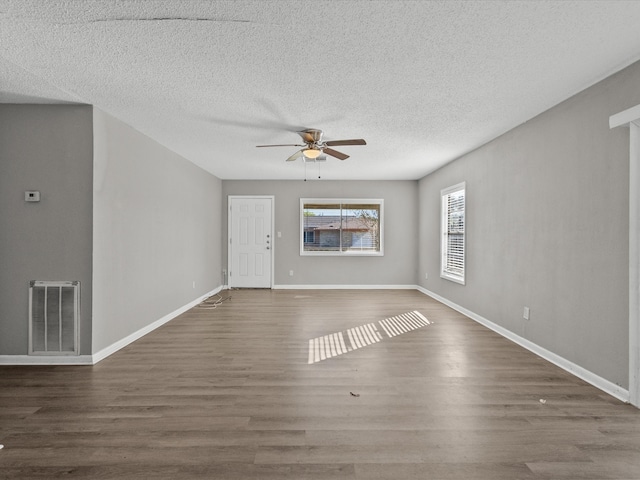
31, 196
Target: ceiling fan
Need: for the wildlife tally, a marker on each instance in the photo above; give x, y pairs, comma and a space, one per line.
314, 146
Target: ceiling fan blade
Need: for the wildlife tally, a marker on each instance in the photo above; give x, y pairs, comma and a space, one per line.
265, 124
283, 145
335, 153
295, 156
355, 141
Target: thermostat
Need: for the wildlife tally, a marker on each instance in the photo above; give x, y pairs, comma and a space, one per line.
31, 196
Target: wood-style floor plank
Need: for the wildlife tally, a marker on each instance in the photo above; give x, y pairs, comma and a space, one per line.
229, 393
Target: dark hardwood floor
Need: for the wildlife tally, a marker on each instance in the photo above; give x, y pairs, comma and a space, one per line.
230, 393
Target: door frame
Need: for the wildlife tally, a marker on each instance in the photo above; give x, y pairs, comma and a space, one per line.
630, 118
272, 198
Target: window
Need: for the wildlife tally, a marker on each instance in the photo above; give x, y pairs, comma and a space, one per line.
341, 227
452, 243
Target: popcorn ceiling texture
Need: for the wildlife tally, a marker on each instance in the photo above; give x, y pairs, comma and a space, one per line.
422, 82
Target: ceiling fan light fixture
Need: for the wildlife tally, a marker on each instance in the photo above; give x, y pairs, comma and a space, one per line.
311, 152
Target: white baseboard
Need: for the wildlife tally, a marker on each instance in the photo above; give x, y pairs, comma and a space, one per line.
603, 384
580, 372
46, 360
111, 349
344, 287
105, 352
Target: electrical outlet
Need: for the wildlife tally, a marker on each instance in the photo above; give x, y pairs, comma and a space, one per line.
291, 273
194, 284
525, 313
426, 276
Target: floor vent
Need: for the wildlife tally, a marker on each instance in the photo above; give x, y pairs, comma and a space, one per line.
54, 309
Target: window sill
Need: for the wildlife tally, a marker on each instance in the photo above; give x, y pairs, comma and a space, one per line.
452, 278
341, 254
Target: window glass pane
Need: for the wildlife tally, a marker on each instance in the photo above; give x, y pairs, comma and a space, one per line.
455, 233
453, 213
335, 227
321, 227
361, 228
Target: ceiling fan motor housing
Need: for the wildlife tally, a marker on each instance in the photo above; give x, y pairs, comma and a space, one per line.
311, 136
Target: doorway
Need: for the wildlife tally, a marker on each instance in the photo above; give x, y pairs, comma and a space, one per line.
250, 242
631, 118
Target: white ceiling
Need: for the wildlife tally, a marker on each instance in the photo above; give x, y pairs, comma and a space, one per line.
422, 81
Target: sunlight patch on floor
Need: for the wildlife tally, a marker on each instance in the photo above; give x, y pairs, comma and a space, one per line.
335, 344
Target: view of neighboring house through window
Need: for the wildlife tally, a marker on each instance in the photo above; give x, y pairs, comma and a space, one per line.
341, 227
453, 221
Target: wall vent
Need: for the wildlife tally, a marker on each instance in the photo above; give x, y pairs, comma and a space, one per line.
54, 310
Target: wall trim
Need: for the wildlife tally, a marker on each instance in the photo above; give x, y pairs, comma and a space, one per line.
603, 384
46, 360
576, 370
345, 287
111, 349
105, 352
624, 118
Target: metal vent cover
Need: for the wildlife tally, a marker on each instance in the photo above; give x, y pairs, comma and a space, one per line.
54, 310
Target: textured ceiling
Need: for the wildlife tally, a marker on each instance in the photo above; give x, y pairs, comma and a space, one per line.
422, 82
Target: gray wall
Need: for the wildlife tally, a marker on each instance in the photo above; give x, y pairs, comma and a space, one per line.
396, 267
46, 148
547, 228
156, 230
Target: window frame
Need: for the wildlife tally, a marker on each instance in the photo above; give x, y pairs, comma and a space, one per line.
342, 202
445, 271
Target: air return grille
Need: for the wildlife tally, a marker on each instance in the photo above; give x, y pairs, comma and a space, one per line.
54, 309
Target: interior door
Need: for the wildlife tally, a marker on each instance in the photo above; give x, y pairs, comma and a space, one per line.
250, 242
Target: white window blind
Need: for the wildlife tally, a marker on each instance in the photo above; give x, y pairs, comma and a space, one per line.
453, 233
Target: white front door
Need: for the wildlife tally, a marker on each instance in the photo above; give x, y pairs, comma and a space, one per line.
250, 242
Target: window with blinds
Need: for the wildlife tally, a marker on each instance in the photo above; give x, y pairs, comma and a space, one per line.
453, 242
